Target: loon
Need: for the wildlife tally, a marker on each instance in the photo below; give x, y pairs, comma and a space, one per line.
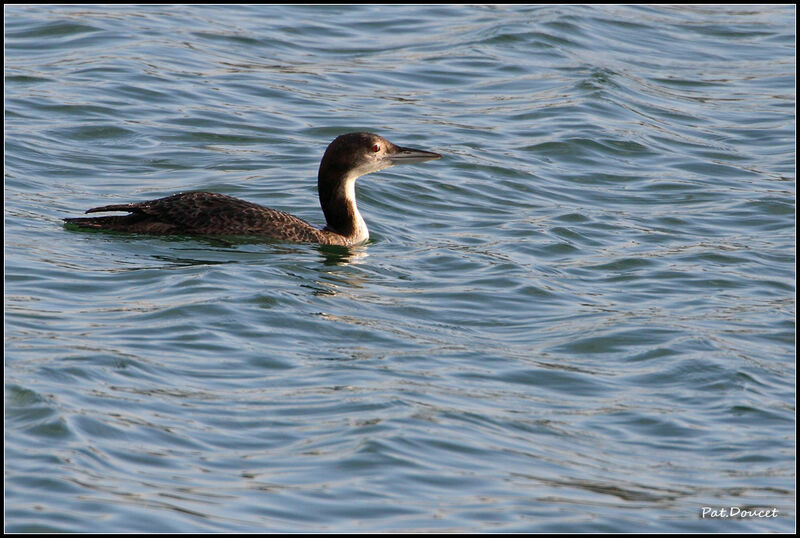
348, 157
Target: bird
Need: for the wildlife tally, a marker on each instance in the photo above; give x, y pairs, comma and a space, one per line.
347, 158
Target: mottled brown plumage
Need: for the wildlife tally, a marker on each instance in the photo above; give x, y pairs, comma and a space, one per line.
207, 213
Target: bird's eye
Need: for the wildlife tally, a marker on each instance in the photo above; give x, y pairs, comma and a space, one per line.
376, 148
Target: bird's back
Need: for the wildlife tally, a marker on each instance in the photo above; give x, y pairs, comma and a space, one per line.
205, 213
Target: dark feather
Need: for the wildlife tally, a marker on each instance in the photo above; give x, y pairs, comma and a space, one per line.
207, 213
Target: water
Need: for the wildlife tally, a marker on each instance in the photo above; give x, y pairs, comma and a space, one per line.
582, 318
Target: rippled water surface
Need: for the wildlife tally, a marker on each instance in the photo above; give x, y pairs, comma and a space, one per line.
582, 318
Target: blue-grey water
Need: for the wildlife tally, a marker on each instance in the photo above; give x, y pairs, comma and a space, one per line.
581, 319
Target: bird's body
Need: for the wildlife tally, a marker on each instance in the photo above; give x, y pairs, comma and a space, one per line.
207, 213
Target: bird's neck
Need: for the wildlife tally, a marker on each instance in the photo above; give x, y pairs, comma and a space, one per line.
337, 196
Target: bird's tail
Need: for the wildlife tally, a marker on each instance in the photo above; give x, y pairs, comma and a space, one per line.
121, 223
114, 207
100, 223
